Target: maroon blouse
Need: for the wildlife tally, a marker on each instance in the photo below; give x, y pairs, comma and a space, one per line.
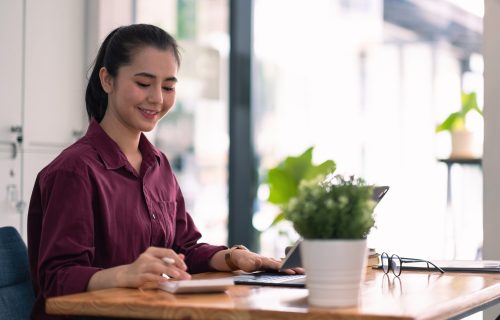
91, 210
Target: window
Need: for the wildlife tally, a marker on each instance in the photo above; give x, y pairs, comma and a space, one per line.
366, 82
194, 135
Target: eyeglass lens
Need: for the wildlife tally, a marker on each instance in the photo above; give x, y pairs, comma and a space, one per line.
395, 265
384, 259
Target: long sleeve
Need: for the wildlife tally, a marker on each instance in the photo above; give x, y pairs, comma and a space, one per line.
66, 248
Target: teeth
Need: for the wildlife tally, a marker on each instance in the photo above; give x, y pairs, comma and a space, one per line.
149, 111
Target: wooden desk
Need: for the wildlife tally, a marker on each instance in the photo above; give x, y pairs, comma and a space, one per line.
415, 295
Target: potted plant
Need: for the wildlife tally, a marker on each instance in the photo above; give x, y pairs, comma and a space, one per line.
284, 179
462, 139
334, 215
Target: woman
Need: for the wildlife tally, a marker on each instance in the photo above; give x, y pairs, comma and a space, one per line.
108, 210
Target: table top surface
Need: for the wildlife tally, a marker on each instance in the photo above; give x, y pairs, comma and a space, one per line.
414, 295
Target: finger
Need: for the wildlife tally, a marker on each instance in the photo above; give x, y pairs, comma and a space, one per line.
174, 271
161, 253
160, 267
268, 263
153, 282
176, 261
288, 271
183, 258
295, 271
148, 279
178, 274
299, 270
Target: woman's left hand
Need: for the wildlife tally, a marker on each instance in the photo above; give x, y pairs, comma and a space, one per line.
250, 261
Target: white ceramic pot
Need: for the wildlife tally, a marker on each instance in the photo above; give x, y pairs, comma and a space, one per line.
463, 145
335, 271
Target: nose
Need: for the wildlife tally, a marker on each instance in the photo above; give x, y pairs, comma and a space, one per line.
155, 95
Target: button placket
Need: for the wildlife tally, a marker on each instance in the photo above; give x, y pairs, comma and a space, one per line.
148, 202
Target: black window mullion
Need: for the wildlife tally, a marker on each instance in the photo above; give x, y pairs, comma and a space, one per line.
242, 166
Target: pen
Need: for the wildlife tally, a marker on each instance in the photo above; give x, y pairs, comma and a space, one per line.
168, 261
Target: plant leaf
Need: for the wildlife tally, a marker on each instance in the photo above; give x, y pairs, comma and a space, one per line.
337, 208
449, 123
469, 102
280, 217
282, 186
324, 168
456, 120
296, 167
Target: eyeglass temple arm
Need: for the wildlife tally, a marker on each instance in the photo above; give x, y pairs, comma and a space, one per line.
421, 260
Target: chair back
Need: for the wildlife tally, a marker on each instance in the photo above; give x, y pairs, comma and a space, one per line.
16, 292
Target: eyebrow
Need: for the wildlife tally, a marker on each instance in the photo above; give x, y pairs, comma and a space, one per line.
152, 76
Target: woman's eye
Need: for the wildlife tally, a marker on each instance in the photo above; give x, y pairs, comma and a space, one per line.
168, 88
144, 85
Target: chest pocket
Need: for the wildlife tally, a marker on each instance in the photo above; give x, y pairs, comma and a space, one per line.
166, 214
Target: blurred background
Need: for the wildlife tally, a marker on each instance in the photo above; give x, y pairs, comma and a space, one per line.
363, 81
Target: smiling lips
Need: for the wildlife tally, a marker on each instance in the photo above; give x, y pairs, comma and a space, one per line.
149, 114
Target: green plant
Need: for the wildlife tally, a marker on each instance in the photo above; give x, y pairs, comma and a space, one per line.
456, 120
334, 207
284, 179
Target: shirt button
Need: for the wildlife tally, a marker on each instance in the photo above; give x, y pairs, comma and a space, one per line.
153, 215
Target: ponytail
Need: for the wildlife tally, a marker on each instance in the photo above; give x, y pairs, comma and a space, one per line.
96, 99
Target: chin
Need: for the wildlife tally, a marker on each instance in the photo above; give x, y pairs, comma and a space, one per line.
146, 126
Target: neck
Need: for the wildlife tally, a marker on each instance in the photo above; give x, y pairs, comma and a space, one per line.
127, 139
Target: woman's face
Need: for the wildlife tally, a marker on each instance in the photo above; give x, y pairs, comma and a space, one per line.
143, 91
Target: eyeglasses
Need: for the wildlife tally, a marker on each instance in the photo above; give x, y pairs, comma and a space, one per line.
395, 263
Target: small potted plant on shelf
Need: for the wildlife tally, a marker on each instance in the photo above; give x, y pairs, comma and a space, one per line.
462, 139
334, 215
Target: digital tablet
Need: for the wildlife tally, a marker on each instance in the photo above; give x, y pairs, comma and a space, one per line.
197, 286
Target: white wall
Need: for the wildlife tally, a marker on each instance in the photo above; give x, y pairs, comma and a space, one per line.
11, 66
54, 83
491, 157
47, 48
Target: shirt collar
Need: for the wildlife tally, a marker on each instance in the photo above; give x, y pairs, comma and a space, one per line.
110, 152
148, 150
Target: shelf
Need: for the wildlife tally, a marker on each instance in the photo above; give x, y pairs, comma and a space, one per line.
471, 161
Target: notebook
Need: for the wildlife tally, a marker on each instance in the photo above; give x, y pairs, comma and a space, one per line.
488, 266
291, 260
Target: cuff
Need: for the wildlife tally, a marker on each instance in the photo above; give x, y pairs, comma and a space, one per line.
74, 279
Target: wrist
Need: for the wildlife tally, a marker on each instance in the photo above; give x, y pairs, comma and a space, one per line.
228, 257
120, 277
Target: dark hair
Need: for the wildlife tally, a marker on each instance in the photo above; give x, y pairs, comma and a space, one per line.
117, 50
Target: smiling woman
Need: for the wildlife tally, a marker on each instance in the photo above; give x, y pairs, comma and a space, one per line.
108, 211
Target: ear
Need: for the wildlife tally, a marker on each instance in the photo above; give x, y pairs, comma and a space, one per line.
106, 80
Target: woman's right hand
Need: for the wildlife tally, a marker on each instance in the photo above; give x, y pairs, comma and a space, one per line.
147, 268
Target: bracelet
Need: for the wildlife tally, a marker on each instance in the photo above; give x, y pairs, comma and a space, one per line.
227, 256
